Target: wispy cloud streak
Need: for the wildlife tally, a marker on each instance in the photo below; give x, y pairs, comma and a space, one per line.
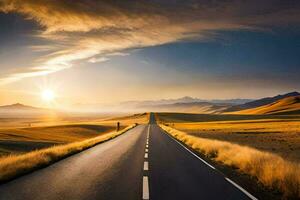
91, 29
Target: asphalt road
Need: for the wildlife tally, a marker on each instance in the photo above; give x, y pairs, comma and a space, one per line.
144, 163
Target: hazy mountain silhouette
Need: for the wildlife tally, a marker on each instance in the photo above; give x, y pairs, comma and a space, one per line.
19, 106
186, 99
21, 110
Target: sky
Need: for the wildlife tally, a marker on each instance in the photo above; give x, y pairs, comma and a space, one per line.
103, 52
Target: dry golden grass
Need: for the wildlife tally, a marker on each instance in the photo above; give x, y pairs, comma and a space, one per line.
270, 169
142, 118
188, 117
16, 165
20, 140
279, 136
17, 137
7, 121
62, 133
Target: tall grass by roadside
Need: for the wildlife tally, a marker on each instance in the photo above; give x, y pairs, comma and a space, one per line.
271, 170
16, 165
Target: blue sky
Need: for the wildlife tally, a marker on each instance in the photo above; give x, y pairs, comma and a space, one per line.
148, 50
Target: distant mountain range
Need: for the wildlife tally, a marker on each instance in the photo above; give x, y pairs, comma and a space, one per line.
195, 105
280, 104
186, 99
185, 104
21, 109
18, 107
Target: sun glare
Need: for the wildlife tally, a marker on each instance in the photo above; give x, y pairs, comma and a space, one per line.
48, 95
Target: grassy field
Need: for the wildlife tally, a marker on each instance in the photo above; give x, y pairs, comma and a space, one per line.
18, 140
142, 118
275, 134
17, 137
185, 117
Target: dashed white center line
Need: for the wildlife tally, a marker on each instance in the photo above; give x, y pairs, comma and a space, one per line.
145, 188
146, 166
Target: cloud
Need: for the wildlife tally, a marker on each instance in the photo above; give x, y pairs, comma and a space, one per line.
91, 29
96, 60
119, 54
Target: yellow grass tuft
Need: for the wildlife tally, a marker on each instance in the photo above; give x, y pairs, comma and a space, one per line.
278, 136
15, 165
271, 170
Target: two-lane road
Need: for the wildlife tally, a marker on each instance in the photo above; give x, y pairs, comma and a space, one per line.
144, 163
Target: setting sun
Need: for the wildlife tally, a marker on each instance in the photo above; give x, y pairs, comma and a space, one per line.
48, 95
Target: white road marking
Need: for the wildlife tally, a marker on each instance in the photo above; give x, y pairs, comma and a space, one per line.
241, 189
146, 150
192, 152
148, 130
145, 188
147, 146
146, 166
146, 155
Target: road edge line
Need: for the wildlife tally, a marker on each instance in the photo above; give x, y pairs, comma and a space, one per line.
241, 189
192, 152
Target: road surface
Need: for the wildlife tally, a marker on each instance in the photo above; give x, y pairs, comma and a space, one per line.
143, 163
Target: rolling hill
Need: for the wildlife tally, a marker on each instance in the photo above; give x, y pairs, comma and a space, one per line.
260, 102
193, 107
288, 105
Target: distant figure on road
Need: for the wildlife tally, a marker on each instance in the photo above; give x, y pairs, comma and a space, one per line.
118, 126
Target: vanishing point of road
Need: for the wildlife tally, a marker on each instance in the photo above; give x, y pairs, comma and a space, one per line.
143, 163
